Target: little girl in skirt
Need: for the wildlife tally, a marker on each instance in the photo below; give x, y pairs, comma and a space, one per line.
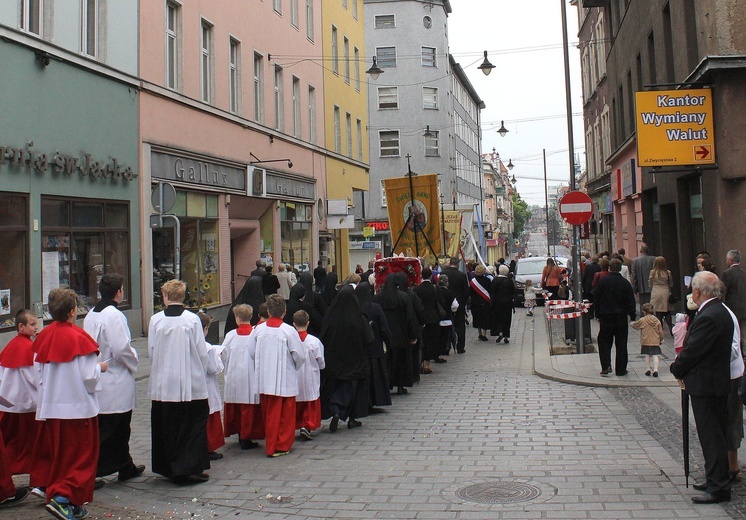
679, 332
529, 297
651, 337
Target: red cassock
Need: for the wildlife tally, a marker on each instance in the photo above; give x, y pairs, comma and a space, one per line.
308, 414
215, 436
7, 488
244, 419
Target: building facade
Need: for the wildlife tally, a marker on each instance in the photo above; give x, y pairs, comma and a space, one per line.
668, 44
231, 117
69, 170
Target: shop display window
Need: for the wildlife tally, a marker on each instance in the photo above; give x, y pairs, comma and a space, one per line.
81, 241
13, 268
200, 267
295, 233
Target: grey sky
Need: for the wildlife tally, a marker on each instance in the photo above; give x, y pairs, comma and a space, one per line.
524, 41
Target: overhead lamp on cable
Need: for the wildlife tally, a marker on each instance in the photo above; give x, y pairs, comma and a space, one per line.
374, 71
428, 133
502, 130
510, 164
513, 180
486, 67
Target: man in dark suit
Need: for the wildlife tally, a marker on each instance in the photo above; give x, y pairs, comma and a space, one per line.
319, 277
370, 271
734, 296
640, 273
704, 368
260, 270
586, 281
614, 302
459, 284
429, 297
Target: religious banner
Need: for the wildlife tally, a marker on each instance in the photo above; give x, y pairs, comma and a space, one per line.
414, 220
452, 225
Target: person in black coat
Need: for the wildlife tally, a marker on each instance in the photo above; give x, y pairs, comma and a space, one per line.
502, 291
429, 298
297, 302
481, 302
419, 313
586, 281
380, 393
319, 276
704, 367
314, 298
446, 298
251, 294
330, 288
270, 283
459, 284
347, 336
260, 270
402, 322
614, 300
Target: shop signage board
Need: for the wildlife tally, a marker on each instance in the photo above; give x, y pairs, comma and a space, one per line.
576, 208
675, 127
368, 231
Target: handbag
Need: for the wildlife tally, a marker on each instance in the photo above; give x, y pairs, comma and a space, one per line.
442, 312
672, 298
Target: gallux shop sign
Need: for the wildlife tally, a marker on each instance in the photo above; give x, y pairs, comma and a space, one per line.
59, 163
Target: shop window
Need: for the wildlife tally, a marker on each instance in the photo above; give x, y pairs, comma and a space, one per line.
81, 240
13, 268
295, 234
199, 267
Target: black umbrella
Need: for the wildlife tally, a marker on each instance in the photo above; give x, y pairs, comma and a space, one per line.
685, 431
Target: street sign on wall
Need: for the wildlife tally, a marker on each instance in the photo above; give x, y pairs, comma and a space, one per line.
675, 127
576, 208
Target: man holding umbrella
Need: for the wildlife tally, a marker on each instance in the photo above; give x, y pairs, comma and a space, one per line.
704, 368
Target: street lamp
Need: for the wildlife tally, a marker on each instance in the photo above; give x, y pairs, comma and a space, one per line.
502, 130
374, 71
486, 67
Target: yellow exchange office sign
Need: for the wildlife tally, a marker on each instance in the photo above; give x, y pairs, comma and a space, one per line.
675, 127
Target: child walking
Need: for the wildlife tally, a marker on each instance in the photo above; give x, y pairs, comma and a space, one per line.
651, 337
679, 331
529, 297
308, 400
215, 436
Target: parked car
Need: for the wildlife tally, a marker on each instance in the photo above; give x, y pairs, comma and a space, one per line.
531, 269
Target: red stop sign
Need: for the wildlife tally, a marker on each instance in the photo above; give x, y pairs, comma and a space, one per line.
576, 208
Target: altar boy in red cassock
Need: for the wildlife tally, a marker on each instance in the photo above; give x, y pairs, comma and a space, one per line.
308, 402
278, 354
9, 493
26, 442
70, 377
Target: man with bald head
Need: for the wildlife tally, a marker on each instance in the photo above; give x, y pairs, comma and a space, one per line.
703, 367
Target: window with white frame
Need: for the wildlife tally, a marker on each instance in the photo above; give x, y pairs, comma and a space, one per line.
388, 98
234, 75
346, 51
294, 13
431, 144
277, 6
389, 143
32, 16
357, 68
386, 57
296, 107
428, 57
383, 194
335, 51
430, 98
337, 130
348, 128
359, 140
597, 154
258, 88
279, 100
311, 114
89, 36
309, 19
173, 51
207, 61
605, 134
600, 45
385, 21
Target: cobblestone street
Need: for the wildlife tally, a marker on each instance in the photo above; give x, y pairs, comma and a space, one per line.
482, 437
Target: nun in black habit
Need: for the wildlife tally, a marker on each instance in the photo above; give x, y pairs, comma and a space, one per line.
312, 297
403, 325
251, 294
330, 289
297, 303
380, 393
347, 336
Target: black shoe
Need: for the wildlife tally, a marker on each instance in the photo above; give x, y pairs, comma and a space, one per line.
21, 495
441, 360
506, 340
191, 479
374, 410
247, 444
499, 338
622, 373
131, 472
334, 424
214, 455
99, 483
700, 487
353, 423
606, 371
401, 391
461, 352
707, 498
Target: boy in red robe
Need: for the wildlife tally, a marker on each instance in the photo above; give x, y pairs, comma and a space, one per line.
26, 443
70, 376
9, 493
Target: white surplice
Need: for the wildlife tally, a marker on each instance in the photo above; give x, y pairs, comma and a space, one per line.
309, 374
110, 330
239, 369
20, 387
68, 390
178, 356
278, 354
214, 367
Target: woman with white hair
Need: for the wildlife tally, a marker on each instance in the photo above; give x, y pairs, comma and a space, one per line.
502, 290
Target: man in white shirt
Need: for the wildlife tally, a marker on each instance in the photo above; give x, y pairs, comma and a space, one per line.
286, 282
107, 325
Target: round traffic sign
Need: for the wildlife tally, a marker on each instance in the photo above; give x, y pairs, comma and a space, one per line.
576, 208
